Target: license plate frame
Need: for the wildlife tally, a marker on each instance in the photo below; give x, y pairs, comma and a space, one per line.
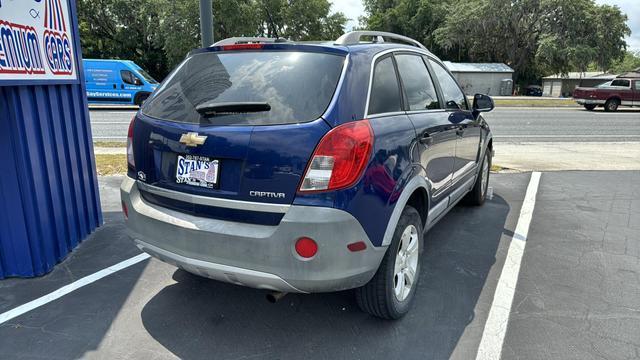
197, 171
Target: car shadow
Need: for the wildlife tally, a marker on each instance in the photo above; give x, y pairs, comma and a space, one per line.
619, 111
202, 318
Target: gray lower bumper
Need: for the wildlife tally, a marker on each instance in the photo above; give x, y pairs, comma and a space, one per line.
590, 102
256, 255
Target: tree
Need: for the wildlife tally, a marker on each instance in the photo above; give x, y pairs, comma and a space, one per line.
579, 33
566, 41
417, 19
630, 62
300, 20
494, 31
534, 37
611, 29
157, 34
122, 29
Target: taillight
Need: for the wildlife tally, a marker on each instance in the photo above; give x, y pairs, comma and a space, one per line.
130, 160
340, 158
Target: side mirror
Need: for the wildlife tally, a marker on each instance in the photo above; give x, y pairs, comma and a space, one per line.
482, 103
137, 81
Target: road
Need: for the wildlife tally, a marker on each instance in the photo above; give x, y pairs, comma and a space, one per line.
507, 124
563, 125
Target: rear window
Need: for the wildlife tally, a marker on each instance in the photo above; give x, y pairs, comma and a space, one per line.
621, 83
298, 87
385, 92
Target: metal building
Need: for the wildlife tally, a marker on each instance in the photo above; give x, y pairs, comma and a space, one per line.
562, 85
485, 78
49, 198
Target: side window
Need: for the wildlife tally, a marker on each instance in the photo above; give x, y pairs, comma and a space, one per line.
637, 84
621, 83
129, 78
453, 96
385, 91
421, 94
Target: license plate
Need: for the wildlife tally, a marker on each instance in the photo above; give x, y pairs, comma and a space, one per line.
197, 171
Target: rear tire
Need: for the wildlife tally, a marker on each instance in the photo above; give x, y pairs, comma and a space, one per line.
590, 107
391, 290
611, 105
478, 194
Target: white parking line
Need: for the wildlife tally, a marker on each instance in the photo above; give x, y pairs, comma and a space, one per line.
22, 309
495, 328
570, 136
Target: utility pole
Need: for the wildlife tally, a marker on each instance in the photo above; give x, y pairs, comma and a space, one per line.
206, 22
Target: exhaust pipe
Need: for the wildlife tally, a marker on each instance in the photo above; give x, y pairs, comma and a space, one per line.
274, 296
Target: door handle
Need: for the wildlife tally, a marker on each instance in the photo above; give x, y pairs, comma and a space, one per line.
114, 86
426, 139
122, 86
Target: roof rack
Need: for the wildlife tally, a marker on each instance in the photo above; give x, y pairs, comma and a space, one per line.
353, 38
249, 40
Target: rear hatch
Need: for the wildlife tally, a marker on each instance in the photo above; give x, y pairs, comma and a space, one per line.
237, 125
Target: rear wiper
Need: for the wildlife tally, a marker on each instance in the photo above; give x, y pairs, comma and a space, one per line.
211, 108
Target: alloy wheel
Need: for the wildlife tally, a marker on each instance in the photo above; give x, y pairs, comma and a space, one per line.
406, 263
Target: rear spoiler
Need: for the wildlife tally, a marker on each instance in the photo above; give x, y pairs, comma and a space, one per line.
250, 40
250, 44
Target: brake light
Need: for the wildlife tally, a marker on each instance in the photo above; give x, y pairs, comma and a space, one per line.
340, 158
241, 47
130, 159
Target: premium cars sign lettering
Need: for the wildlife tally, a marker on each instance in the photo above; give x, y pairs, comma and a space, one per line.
35, 41
56, 41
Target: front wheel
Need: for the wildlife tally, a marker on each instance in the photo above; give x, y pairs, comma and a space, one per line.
389, 294
590, 107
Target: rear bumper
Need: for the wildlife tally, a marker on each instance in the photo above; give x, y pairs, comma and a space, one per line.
258, 256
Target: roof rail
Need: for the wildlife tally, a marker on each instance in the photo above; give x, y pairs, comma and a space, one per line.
249, 40
353, 38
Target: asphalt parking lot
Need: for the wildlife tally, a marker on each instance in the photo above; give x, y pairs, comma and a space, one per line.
577, 295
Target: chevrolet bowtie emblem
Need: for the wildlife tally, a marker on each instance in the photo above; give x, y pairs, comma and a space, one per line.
192, 139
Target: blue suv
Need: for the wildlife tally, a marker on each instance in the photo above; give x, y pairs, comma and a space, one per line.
305, 167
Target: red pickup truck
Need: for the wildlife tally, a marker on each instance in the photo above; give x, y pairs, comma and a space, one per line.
619, 91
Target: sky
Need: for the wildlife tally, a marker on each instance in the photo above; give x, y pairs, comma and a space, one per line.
353, 9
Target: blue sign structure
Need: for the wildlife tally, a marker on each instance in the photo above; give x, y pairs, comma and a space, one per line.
49, 199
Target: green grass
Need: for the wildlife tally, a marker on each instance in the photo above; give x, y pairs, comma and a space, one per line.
111, 164
497, 168
535, 103
109, 144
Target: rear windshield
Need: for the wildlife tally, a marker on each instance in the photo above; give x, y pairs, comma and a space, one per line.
298, 87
